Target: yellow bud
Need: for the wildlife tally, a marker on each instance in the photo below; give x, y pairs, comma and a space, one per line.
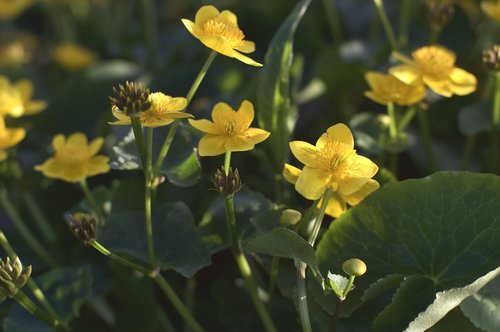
290, 217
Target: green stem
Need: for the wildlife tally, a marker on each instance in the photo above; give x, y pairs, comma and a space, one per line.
189, 298
33, 309
301, 266
275, 263
25, 232
393, 127
409, 115
227, 162
333, 19
348, 287
43, 225
387, 25
336, 315
177, 303
426, 135
495, 130
168, 141
404, 22
139, 137
147, 202
244, 267
467, 153
154, 274
434, 37
93, 203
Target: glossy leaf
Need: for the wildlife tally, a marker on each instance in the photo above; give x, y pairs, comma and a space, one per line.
483, 308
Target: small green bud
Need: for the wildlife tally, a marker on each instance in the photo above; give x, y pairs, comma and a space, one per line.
83, 227
354, 267
290, 217
130, 98
12, 277
228, 184
491, 58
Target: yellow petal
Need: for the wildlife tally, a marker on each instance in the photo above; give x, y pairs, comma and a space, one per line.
376, 98
363, 167
312, 182
441, 86
95, 145
374, 79
416, 94
204, 125
246, 47
190, 25
177, 104
97, 165
341, 133
365, 190
245, 114
245, 59
228, 17
217, 43
349, 184
238, 143
211, 145
25, 88
335, 207
306, 153
58, 142
463, 82
256, 135
406, 74
77, 139
158, 120
291, 173
34, 107
222, 112
205, 13
320, 143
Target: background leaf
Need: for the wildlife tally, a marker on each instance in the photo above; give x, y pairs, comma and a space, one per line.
483, 308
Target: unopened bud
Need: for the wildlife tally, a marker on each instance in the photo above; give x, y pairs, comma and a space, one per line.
83, 227
228, 184
491, 58
354, 267
439, 13
130, 98
290, 217
13, 276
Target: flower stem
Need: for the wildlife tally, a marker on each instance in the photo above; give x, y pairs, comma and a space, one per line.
189, 298
173, 129
227, 162
93, 203
409, 115
275, 263
495, 130
393, 127
25, 232
336, 315
426, 134
301, 266
148, 171
244, 267
158, 278
387, 25
333, 19
139, 137
39, 218
467, 153
32, 308
404, 22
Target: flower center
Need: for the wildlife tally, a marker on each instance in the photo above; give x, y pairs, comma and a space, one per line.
230, 128
434, 61
220, 28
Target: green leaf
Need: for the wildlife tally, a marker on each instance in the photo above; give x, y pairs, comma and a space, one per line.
483, 308
275, 110
177, 242
442, 228
113, 70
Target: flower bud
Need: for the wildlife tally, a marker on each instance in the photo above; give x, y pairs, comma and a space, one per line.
130, 98
290, 217
354, 267
439, 13
228, 184
83, 227
13, 276
491, 58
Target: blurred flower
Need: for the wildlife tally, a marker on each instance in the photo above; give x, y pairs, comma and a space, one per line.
163, 111
13, 276
229, 131
332, 164
389, 89
219, 31
17, 49
15, 99
83, 227
130, 98
73, 57
11, 9
25, 89
435, 65
492, 9
338, 202
491, 58
9, 137
74, 158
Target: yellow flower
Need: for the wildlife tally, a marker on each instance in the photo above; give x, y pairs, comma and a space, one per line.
11, 101
17, 49
219, 31
491, 9
331, 164
9, 137
229, 131
74, 159
435, 65
74, 57
25, 89
163, 111
389, 89
11, 9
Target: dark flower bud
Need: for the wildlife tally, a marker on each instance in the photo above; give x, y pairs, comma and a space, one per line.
290, 217
491, 58
439, 13
354, 267
83, 227
130, 98
228, 184
13, 276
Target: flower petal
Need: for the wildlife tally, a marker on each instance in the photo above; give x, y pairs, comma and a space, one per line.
312, 182
205, 13
204, 125
376, 98
222, 112
228, 17
306, 153
439, 86
25, 88
406, 74
291, 173
97, 165
246, 47
341, 133
245, 59
158, 120
77, 138
217, 43
58, 141
238, 143
335, 207
463, 82
365, 190
374, 79
256, 135
211, 145
95, 145
245, 114
34, 107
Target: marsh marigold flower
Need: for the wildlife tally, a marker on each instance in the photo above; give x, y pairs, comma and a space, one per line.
75, 159
491, 8
332, 164
162, 111
220, 32
9, 137
338, 202
11, 101
11, 9
73, 57
229, 130
389, 89
435, 65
